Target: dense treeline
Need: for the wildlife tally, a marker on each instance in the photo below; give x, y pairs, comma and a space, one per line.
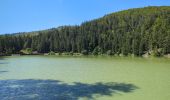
133, 31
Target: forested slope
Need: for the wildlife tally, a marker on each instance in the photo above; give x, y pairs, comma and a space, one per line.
134, 31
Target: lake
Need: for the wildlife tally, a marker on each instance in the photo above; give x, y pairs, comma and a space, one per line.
84, 78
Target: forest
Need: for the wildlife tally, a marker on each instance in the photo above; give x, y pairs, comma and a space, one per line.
135, 31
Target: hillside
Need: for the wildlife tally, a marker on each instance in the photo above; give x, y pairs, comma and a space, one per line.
134, 31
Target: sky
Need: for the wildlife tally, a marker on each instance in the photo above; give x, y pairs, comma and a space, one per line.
33, 15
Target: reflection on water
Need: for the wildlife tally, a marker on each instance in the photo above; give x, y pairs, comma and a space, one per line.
30, 89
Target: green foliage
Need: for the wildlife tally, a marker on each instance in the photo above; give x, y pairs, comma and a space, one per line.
109, 52
71, 53
51, 53
84, 52
157, 52
26, 51
133, 31
97, 51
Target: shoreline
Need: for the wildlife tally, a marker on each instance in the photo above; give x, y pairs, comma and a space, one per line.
80, 54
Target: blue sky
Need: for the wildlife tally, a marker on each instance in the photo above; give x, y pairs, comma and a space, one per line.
32, 15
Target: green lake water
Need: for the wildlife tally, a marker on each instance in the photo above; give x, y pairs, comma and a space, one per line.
84, 78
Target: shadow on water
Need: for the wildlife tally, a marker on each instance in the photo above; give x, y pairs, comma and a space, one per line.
3, 72
3, 62
2, 59
56, 90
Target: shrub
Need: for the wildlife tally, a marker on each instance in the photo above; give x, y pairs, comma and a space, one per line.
26, 51
84, 52
109, 52
51, 53
97, 51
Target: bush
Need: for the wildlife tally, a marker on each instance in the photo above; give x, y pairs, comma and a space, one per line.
71, 53
157, 52
26, 51
84, 52
109, 52
51, 53
97, 51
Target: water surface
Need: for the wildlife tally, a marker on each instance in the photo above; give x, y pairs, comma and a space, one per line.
84, 78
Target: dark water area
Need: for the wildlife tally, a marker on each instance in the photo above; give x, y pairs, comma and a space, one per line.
30, 89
